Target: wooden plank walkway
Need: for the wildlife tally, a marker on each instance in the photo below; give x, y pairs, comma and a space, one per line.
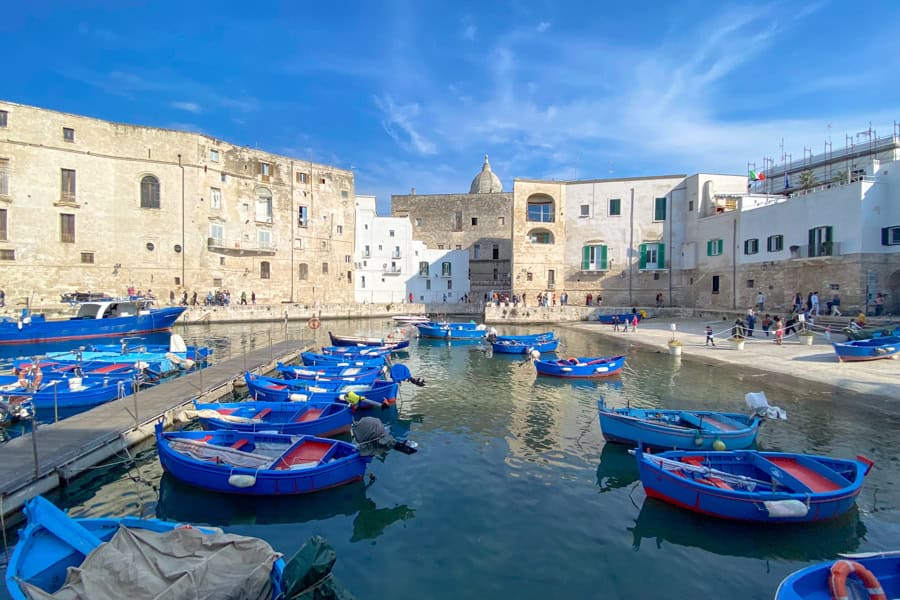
74, 444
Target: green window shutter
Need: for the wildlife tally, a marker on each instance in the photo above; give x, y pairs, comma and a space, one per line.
828, 231
603, 258
661, 254
660, 209
885, 236
586, 258
812, 238
719, 245
643, 264
709, 250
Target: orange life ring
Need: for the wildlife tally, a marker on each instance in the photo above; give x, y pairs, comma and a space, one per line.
572, 360
837, 582
23, 383
314, 323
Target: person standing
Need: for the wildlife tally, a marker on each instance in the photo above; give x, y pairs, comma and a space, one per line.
798, 302
766, 324
634, 322
588, 299
615, 321
751, 322
779, 330
709, 336
760, 302
252, 297
2, 299
814, 304
244, 297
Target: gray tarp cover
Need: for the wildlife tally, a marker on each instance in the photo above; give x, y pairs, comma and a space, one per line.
182, 564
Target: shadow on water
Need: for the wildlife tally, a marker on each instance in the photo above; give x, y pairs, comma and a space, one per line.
617, 468
661, 522
181, 502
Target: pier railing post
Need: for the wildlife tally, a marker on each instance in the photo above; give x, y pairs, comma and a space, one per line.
34, 428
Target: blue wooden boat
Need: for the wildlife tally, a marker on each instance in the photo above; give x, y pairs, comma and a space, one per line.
325, 373
312, 359
870, 571
678, 429
74, 392
392, 341
293, 418
270, 389
519, 347
531, 337
357, 351
623, 317
581, 367
451, 331
109, 318
269, 464
52, 542
747, 485
870, 349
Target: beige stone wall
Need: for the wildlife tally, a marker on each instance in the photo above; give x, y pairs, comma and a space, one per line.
446, 221
534, 262
110, 160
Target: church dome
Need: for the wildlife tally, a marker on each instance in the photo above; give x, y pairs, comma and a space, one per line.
486, 182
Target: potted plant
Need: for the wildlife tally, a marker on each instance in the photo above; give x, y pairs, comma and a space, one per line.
738, 341
806, 337
674, 344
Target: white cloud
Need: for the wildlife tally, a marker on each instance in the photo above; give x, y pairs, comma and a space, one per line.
398, 123
191, 107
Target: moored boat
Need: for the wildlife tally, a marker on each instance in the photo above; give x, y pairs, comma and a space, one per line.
869, 575
312, 359
395, 341
108, 318
523, 347
271, 389
581, 367
293, 418
622, 318
451, 331
254, 463
747, 485
869, 349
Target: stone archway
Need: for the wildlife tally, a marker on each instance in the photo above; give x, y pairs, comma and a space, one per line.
893, 291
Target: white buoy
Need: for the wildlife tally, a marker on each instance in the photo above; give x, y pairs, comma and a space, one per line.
242, 481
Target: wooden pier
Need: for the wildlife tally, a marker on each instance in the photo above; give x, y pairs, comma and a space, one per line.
38, 462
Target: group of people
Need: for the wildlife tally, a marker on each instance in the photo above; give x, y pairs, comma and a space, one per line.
217, 298
590, 300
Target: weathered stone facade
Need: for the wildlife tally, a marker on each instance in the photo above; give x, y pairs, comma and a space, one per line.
101, 206
479, 223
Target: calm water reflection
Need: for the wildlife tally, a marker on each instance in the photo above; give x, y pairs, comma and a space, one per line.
513, 491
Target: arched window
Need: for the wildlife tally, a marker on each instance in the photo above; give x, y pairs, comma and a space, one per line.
149, 192
540, 209
540, 236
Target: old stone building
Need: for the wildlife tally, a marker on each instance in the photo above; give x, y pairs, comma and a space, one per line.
87, 204
479, 222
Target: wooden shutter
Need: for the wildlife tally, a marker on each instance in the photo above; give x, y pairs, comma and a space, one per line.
603, 266
586, 258
661, 256
719, 246
709, 250
643, 263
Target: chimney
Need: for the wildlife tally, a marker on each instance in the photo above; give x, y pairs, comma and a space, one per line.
412, 192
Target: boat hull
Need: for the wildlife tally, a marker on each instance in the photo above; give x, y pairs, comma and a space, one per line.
584, 367
636, 427
683, 489
41, 331
811, 583
451, 331
870, 349
267, 389
623, 318
322, 419
525, 347
350, 340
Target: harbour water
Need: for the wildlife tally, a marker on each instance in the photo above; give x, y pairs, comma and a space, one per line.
513, 492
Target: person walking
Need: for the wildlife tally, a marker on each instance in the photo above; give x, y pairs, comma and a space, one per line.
760, 302
634, 322
709, 336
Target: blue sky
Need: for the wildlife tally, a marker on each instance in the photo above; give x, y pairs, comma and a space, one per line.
412, 94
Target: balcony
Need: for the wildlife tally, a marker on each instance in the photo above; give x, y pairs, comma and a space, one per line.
824, 249
396, 254
239, 248
392, 270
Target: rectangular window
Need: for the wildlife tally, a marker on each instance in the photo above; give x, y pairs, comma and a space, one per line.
391, 233
264, 238
529, 276
87, 258
501, 221
495, 251
541, 237
449, 284
715, 284
496, 274
427, 284
217, 234
67, 185
593, 258
751, 246
223, 177
339, 229
4, 231
7, 254
304, 271
615, 207
321, 181
446, 269
423, 268
653, 256
551, 277
659, 210
324, 268
690, 205
820, 241
715, 247
67, 228
751, 283
215, 198
474, 221
213, 155
221, 260
68, 134
4, 116
265, 170
440, 246
541, 212
457, 221
345, 194
775, 243
302, 216
459, 247
347, 258
367, 251
418, 222
890, 236
302, 177
217, 282
585, 210
476, 251
4, 177
264, 210
265, 271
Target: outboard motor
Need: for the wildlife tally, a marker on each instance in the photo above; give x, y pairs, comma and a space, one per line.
373, 438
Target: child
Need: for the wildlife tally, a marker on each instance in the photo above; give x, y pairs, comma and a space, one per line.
709, 336
779, 330
634, 322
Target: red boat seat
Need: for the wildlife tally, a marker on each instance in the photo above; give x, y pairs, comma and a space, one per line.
263, 413
205, 439
310, 415
240, 444
692, 460
716, 482
307, 452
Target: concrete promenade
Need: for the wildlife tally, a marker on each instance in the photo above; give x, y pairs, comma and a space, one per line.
878, 380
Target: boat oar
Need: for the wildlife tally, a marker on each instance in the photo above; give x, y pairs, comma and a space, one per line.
673, 465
